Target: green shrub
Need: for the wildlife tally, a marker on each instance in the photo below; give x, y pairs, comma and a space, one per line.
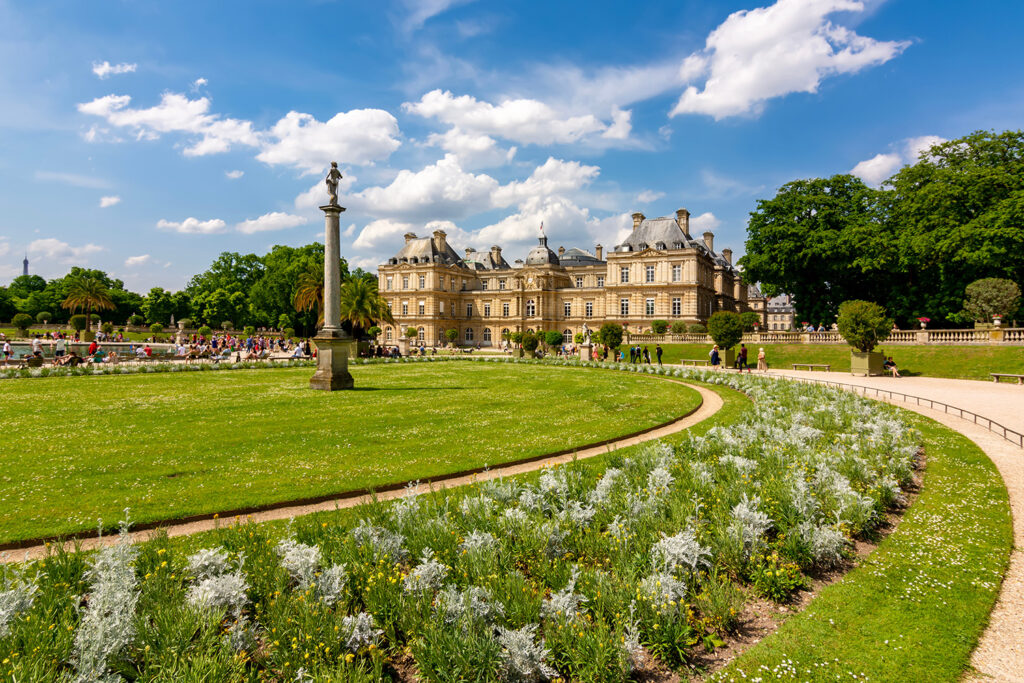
77, 322
135, 319
288, 332
678, 327
697, 328
863, 324
227, 325
44, 317
451, 335
249, 330
726, 328
516, 337
553, 338
156, 328
989, 297
95, 317
610, 335
579, 338
185, 322
530, 342
412, 333
775, 578
205, 331
750, 319
108, 328
659, 326
374, 331
22, 321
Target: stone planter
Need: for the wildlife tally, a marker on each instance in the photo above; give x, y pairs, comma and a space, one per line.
866, 364
728, 357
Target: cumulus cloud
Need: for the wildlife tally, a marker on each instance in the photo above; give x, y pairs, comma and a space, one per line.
707, 221
275, 220
552, 178
133, 261
474, 150
199, 83
317, 195
52, 249
106, 202
878, 168
193, 226
385, 232
648, 196
5, 247
915, 147
759, 54
106, 69
234, 175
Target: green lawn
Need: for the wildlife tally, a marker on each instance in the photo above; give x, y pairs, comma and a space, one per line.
170, 445
129, 336
915, 608
960, 362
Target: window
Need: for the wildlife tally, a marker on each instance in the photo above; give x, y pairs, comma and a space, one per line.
422, 308
423, 282
677, 273
420, 334
567, 336
487, 334
469, 334
649, 307
487, 310
405, 282
623, 307
504, 310
677, 306
589, 309
440, 307
469, 310
650, 273
387, 334
483, 285
567, 308
405, 308
531, 308
600, 280
579, 282
624, 274
501, 284
442, 282
463, 285
389, 281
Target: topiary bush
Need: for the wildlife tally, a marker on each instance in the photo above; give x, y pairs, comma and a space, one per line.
374, 331
659, 326
726, 328
156, 328
750, 320
227, 325
288, 332
249, 330
678, 327
22, 321
610, 335
863, 324
44, 317
451, 335
205, 331
990, 297
135, 319
108, 328
697, 328
77, 322
553, 338
530, 343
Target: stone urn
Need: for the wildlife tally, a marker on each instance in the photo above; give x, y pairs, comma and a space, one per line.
997, 320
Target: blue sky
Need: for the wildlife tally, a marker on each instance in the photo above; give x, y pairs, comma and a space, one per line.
145, 138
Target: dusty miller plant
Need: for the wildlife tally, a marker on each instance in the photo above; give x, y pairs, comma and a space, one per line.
522, 657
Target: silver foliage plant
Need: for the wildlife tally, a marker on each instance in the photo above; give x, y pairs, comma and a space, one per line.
428, 575
749, 524
300, 560
208, 562
478, 541
680, 552
473, 602
359, 631
224, 591
664, 588
16, 598
384, 542
523, 657
565, 603
332, 584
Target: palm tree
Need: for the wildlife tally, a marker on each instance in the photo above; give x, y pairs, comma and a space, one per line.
362, 305
309, 293
87, 293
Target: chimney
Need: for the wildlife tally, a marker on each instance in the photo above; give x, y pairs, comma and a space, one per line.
561, 252
709, 241
496, 254
638, 218
727, 254
440, 240
409, 236
599, 252
683, 219
469, 250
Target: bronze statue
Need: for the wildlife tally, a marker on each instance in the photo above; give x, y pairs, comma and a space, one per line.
333, 176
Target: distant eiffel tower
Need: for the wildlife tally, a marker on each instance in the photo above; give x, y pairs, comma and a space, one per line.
24, 265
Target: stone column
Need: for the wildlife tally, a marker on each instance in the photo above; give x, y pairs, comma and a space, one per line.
333, 346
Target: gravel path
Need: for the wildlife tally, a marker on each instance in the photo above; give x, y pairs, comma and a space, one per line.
999, 655
711, 403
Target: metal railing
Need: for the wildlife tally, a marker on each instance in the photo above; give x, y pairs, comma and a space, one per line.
1010, 435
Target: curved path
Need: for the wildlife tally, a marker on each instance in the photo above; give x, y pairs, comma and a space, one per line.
711, 403
1000, 652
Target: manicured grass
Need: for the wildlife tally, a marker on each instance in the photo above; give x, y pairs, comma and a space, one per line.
169, 445
958, 362
129, 336
915, 608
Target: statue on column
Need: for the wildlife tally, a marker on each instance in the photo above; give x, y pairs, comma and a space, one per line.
586, 334
333, 176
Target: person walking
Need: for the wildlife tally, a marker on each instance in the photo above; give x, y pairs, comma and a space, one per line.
742, 359
762, 363
647, 355
657, 351
716, 359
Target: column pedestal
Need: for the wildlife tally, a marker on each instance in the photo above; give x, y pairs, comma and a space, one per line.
586, 352
332, 351
333, 345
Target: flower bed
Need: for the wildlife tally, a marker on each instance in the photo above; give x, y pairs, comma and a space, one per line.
575, 572
148, 368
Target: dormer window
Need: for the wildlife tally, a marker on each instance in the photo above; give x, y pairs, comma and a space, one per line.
679, 245
660, 245
642, 246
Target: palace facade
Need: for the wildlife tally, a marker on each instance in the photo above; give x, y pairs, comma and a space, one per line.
659, 272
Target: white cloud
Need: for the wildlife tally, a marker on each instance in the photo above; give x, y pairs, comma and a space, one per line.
755, 55
564, 222
316, 196
74, 179
133, 261
5, 247
621, 125
275, 220
648, 196
705, 222
522, 120
51, 249
234, 175
385, 232
106, 69
349, 231
554, 177
109, 201
199, 83
473, 150
193, 226
917, 146
360, 136
422, 10
876, 169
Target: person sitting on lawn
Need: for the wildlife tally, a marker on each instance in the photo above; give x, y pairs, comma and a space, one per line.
890, 365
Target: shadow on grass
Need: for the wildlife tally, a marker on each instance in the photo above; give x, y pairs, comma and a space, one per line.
401, 389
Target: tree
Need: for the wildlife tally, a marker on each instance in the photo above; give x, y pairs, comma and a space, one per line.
362, 305
249, 330
7, 308
374, 331
991, 296
678, 327
750, 320
44, 317
156, 328
530, 343
87, 293
108, 328
725, 328
610, 335
863, 324
659, 326
450, 335
23, 285
77, 322
21, 322
226, 325
204, 331
554, 338
158, 306
136, 320
284, 320
309, 292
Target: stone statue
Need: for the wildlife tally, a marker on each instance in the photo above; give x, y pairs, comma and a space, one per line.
586, 334
333, 176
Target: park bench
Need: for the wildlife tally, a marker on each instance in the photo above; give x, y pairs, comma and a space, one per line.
997, 375
812, 366
695, 361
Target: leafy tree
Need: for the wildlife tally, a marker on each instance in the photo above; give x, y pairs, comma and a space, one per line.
156, 328
44, 317
362, 305
205, 331
108, 328
22, 321
450, 335
288, 332
249, 330
136, 320
158, 306
7, 309
659, 326
553, 338
579, 338
696, 328
284, 320
725, 328
226, 325
87, 293
309, 292
23, 285
77, 322
610, 335
374, 331
412, 333
750, 319
991, 296
530, 343
863, 324
515, 337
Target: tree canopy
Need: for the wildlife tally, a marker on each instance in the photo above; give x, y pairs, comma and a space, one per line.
954, 216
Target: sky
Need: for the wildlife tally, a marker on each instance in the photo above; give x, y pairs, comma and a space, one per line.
145, 138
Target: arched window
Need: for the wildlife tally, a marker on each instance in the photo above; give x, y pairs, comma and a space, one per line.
568, 336
505, 333
421, 334
387, 333
531, 308
469, 334
487, 334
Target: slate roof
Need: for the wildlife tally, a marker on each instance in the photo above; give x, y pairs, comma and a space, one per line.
484, 260
658, 233
579, 257
540, 255
423, 250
